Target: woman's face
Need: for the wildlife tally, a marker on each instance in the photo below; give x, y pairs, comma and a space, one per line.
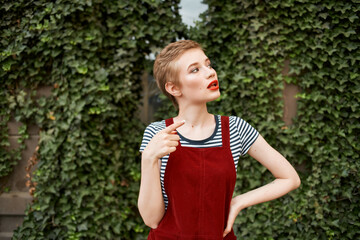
198, 80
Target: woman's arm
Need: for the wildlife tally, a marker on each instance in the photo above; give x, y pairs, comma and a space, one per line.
150, 202
286, 180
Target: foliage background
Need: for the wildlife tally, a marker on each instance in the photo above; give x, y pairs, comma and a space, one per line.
93, 56
249, 41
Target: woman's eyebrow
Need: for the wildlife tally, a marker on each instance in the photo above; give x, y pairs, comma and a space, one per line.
193, 64
196, 63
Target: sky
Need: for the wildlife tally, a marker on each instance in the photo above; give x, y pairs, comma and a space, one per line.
190, 10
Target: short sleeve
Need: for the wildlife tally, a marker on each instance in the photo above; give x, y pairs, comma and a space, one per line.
150, 132
248, 134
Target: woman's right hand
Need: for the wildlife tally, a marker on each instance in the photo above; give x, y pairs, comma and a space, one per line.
163, 143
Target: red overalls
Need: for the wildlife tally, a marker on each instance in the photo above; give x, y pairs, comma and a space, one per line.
199, 183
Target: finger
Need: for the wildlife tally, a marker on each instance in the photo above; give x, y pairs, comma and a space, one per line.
230, 223
225, 233
173, 137
174, 126
172, 149
173, 143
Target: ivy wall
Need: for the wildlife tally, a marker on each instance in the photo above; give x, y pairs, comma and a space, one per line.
93, 52
250, 41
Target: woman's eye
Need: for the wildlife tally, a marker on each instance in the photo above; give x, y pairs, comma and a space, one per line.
195, 70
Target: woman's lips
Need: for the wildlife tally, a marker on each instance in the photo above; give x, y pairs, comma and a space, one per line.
214, 85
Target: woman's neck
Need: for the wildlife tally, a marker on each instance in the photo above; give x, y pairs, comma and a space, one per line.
196, 116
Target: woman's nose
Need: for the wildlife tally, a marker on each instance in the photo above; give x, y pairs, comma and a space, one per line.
210, 72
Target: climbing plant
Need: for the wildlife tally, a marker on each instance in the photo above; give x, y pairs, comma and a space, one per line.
249, 42
92, 55
9, 157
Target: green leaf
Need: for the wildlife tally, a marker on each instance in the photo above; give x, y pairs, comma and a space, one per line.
82, 70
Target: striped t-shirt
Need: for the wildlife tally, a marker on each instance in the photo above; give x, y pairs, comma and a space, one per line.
242, 136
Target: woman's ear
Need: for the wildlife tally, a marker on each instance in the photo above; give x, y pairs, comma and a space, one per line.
173, 89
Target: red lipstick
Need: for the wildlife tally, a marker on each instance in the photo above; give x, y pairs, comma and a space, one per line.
214, 85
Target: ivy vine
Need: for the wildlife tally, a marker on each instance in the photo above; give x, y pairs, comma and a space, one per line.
91, 54
249, 41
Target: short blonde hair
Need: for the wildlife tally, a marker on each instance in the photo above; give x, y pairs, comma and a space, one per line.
165, 68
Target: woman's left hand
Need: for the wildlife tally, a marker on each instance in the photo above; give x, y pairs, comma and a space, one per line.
234, 211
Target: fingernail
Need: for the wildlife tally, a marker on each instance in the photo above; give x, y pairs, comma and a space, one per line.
183, 121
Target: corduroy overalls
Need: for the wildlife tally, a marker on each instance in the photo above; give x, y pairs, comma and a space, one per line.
199, 183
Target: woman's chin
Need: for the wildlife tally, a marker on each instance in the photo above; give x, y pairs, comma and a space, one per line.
215, 97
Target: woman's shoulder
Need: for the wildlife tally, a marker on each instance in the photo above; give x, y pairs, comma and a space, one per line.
232, 118
155, 127
151, 131
239, 123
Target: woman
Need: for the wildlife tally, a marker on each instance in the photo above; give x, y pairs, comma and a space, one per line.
189, 162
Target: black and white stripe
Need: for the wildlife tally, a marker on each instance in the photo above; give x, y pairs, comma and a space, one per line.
242, 136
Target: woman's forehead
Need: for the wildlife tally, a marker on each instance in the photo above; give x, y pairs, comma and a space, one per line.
192, 56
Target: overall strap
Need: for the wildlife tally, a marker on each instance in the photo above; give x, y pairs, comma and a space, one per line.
169, 121
225, 131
